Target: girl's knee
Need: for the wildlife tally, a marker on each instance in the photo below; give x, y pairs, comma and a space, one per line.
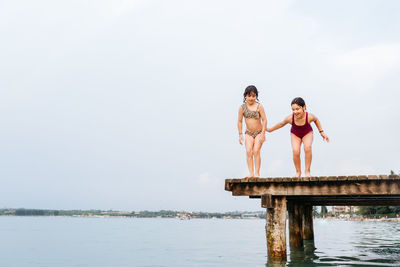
307, 149
256, 151
249, 152
296, 152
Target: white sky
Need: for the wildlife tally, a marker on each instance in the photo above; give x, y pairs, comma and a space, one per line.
132, 105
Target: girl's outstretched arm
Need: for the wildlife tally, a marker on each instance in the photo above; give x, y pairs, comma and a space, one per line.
240, 125
264, 122
280, 124
319, 127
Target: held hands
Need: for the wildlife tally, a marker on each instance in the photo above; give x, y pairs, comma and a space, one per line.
262, 139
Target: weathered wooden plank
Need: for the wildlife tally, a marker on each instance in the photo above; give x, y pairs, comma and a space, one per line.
352, 178
355, 187
266, 201
324, 189
394, 187
342, 178
362, 177
329, 179
322, 178
365, 187
228, 186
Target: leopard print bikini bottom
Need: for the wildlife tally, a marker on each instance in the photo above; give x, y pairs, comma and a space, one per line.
253, 134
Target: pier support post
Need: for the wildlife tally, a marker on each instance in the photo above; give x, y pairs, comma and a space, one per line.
276, 229
308, 228
295, 225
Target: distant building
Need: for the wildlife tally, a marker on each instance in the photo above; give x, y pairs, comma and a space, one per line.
343, 209
249, 216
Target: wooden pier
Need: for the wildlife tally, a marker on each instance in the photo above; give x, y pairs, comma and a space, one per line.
299, 195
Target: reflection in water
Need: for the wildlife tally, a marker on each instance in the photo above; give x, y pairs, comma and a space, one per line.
271, 263
303, 256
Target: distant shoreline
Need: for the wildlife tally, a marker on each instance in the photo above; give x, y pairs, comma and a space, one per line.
182, 215
133, 214
361, 219
210, 218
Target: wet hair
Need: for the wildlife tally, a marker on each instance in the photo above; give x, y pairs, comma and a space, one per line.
299, 101
250, 89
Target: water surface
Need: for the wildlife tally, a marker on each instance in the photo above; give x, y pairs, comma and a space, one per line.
69, 241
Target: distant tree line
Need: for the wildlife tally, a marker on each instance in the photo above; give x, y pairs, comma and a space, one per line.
138, 214
379, 211
149, 214
42, 212
29, 212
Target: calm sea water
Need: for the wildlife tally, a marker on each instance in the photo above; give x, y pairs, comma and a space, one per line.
63, 241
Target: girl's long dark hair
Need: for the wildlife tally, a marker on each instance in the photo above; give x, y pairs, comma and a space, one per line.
248, 90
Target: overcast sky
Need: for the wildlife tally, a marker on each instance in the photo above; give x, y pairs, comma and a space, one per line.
132, 105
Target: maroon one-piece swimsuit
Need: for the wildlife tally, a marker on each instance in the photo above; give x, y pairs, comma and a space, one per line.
301, 131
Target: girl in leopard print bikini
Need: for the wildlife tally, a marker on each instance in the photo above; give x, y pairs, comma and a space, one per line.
256, 125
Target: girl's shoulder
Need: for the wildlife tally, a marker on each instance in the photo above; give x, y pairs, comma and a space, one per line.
259, 106
242, 107
288, 119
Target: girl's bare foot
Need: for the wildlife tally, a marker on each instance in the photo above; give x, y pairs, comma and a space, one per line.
249, 176
256, 176
298, 174
307, 174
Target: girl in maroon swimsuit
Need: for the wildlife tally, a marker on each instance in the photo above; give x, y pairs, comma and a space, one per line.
301, 132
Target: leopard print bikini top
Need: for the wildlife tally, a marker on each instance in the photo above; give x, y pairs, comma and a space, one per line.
249, 114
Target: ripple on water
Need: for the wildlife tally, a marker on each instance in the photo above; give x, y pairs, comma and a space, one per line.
347, 243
